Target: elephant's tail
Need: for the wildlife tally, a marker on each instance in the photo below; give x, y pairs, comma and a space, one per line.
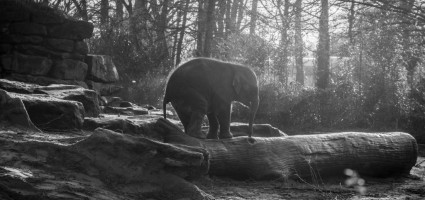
164, 105
164, 108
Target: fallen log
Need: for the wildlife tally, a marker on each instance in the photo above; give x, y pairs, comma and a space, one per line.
304, 156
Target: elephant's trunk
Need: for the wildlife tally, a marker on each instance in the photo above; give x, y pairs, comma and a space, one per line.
253, 111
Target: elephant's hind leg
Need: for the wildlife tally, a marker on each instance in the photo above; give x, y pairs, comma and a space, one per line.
213, 129
195, 124
183, 112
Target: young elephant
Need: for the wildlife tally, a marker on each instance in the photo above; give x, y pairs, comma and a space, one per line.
205, 86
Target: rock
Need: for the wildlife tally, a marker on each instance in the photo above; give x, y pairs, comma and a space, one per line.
81, 47
43, 51
48, 18
61, 44
20, 39
101, 69
27, 28
89, 98
69, 69
27, 64
12, 14
41, 80
6, 61
20, 87
13, 115
104, 89
126, 110
5, 48
105, 165
141, 125
74, 30
53, 114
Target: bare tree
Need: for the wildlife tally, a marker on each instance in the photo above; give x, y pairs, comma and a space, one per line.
253, 17
299, 46
201, 28
182, 32
323, 47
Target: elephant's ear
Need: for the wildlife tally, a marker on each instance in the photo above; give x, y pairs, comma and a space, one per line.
237, 86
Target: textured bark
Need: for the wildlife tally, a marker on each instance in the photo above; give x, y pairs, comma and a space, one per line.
200, 37
299, 65
323, 53
210, 23
253, 17
305, 156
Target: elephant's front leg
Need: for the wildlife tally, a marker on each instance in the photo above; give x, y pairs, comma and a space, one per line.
224, 120
213, 129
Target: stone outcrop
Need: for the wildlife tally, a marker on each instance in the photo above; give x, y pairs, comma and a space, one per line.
40, 45
13, 115
88, 98
53, 114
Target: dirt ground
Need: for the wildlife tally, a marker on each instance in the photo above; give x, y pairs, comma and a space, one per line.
406, 187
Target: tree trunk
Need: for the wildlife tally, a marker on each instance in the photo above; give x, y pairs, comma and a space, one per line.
253, 17
305, 156
220, 18
351, 21
210, 22
323, 56
299, 46
104, 9
161, 29
240, 15
323, 53
233, 15
284, 41
176, 34
182, 31
201, 29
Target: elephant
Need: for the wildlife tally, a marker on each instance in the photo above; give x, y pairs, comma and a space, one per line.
205, 86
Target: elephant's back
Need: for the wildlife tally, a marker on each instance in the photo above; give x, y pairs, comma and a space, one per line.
189, 75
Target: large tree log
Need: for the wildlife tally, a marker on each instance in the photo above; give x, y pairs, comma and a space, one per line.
372, 154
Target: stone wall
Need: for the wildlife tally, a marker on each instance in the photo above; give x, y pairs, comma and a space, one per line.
41, 45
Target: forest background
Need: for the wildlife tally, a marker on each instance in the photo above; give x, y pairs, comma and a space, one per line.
323, 65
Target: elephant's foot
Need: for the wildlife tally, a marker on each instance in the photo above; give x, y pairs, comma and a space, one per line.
212, 135
225, 135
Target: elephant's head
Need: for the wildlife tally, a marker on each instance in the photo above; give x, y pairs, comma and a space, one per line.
245, 85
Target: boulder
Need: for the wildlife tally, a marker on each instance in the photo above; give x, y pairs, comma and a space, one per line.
46, 52
104, 89
52, 114
5, 48
13, 115
69, 69
133, 125
73, 30
89, 98
11, 13
19, 87
81, 47
103, 166
27, 64
61, 44
48, 18
101, 69
42, 80
20, 39
28, 28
